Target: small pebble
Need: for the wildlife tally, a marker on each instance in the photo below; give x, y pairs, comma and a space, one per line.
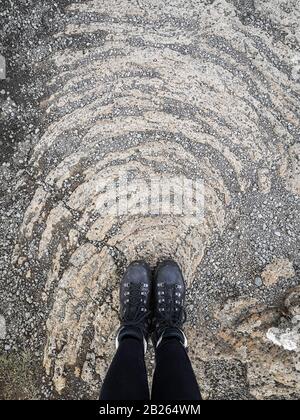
258, 281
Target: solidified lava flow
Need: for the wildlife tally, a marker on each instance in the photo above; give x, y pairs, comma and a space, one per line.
177, 89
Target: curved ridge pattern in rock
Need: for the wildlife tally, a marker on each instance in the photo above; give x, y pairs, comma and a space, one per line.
155, 89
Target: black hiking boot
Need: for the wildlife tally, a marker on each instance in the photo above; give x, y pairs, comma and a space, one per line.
135, 296
169, 299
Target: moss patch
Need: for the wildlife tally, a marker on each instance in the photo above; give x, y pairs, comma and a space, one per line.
16, 378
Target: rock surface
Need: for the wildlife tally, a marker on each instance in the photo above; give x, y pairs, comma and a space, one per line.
196, 89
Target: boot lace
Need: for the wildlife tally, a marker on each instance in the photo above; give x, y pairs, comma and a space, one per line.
171, 311
135, 313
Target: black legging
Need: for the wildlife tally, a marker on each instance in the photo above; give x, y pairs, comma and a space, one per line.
173, 380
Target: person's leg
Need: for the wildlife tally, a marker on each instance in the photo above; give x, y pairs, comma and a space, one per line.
174, 378
127, 376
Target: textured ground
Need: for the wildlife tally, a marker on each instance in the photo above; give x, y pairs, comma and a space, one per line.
205, 89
